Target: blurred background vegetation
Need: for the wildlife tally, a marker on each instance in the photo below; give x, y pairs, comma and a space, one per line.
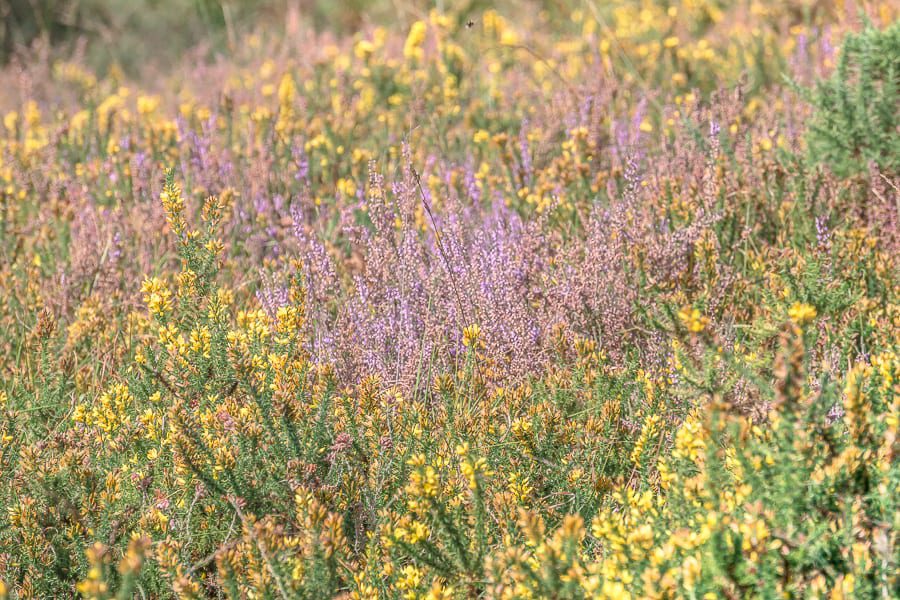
133, 33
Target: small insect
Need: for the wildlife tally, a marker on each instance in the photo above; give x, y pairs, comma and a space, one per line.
470, 24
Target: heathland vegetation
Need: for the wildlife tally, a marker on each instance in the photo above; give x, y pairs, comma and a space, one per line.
582, 300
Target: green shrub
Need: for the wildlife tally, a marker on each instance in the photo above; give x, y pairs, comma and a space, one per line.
855, 114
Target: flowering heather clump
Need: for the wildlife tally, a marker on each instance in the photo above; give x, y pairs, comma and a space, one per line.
590, 301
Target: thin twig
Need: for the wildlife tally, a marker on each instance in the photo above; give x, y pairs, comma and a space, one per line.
440, 243
187, 519
161, 378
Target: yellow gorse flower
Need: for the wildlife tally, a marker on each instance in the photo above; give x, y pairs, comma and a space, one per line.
693, 319
471, 335
173, 205
801, 313
157, 296
412, 49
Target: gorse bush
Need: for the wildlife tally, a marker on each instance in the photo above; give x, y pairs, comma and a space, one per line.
855, 118
463, 311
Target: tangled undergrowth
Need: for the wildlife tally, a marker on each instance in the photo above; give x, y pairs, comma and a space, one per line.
599, 303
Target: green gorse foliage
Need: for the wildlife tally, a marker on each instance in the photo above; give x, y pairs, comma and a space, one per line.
855, 119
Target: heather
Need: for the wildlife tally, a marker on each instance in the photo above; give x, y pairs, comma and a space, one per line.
578, 300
